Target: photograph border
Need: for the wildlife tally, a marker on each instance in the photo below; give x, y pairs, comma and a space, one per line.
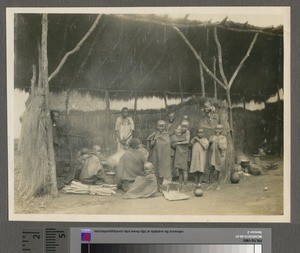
148, 218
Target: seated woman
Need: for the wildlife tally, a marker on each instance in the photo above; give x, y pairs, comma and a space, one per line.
131, 164
144, 186
92, 169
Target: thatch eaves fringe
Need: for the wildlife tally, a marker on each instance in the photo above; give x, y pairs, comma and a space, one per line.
132, 55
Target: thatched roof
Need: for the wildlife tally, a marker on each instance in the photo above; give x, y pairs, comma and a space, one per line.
143, 53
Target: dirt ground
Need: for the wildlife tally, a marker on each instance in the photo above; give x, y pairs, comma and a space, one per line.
248, 197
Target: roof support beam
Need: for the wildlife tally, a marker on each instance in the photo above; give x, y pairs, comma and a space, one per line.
198, 57
75, 49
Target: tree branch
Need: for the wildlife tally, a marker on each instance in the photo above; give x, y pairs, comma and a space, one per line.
191, 24
74, 50
199, 58
220, 60
243, 60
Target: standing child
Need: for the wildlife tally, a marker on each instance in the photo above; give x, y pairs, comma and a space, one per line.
180, 144
200, 146
218, 146
159, 155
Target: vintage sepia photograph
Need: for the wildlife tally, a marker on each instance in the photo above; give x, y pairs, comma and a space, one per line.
163, 114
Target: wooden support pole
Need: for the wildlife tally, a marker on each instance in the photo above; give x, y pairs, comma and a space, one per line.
135, 103
202, 78
180, 84
75, 49
237, 70
215, 73
245, 124
68, 123
107, 102
207, 39
107, 118
165, 99
49, 132
199, 58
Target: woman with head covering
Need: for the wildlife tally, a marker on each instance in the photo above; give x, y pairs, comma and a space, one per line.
131, 164
209, 120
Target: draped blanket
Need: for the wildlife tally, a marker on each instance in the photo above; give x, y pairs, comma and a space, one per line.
160, 154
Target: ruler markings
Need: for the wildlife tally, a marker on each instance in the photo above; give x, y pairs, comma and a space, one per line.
32, 240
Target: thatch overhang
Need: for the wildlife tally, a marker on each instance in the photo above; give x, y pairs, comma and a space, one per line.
133, 55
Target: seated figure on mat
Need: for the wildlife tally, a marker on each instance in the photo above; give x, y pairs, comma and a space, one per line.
92, 169
77, 165
144, 186
131, 164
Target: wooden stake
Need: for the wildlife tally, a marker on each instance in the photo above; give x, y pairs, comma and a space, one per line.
215, 73
245, 124
220, 58
202, 78
243, 60
135, 102
107, 112
180, 84
68, 123
165, 99
49, 133
107, 102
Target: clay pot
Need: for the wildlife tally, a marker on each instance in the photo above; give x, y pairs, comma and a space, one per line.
235, 178
198, 192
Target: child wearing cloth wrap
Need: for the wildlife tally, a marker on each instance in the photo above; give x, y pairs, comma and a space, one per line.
159, 145
218, 146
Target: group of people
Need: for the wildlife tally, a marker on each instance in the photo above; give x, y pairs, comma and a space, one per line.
170, 153
187, 155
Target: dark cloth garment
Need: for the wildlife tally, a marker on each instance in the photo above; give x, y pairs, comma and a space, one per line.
61, 149
159, 156
171, 130
75, 168
218, 148
181, 152
131, 165
92, 170
142, 187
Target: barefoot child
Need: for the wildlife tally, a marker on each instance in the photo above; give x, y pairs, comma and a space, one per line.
180, 144
218, 146
200, 146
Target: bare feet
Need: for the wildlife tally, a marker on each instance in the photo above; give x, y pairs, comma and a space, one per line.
209, 187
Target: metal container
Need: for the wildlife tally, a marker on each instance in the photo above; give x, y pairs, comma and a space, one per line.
110, 177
